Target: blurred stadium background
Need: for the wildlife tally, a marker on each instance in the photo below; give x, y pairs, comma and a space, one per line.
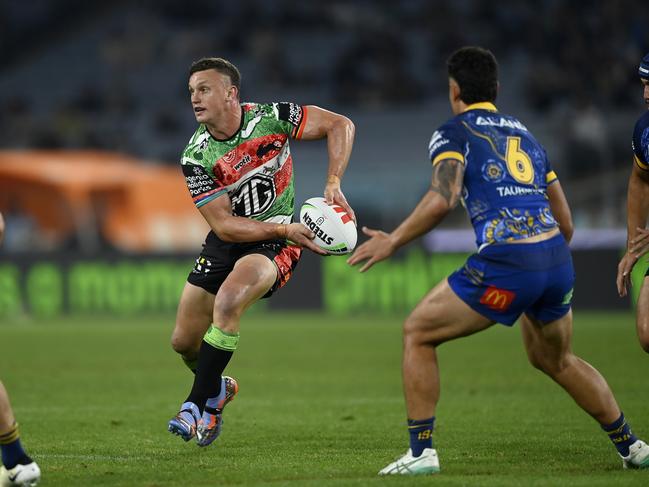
94, 112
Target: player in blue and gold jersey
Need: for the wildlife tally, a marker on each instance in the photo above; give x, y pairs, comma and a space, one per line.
523, 268
638, 212
16, 466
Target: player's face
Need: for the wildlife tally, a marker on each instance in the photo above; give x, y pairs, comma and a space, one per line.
211, 92
645, 93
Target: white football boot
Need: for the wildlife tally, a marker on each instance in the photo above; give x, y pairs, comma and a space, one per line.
638, 456
426, 463
20, 476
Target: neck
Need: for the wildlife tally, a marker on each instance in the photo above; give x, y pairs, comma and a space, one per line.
227, 125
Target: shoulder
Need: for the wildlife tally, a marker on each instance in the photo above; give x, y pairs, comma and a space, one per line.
198, 142
641, 133
642, 123
446, 133
448, 138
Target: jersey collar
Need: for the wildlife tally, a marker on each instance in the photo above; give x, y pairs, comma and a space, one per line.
483, 105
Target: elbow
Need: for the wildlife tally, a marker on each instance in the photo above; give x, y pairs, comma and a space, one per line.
224, 233
567, 230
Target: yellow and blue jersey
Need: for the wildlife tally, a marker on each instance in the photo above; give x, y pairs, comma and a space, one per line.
506, 173
640, 142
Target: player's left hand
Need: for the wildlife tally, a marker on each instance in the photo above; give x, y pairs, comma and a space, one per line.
376, 249
333, 195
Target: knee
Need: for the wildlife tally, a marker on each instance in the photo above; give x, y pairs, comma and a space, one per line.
183, 345
227, 307
415, 334
552, 366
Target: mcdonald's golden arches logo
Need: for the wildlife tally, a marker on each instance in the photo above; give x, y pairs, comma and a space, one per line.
497, 299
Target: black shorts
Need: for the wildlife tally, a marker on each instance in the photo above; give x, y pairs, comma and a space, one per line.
218, 258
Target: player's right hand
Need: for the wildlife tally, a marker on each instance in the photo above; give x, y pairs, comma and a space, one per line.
624, 269
639, 245
301, 236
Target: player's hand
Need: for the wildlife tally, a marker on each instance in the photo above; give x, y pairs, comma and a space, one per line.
624, 269
333, 195
376, 249
639, 245
301, 236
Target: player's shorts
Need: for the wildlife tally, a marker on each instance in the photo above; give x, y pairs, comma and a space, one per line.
503, 281
217, 261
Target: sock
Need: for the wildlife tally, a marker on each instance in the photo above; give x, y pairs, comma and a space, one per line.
620, 434
191, 364
12, 450
213, 402
421, 434
215, 353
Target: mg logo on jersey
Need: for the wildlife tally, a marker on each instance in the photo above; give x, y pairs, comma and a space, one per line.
497, 299
254, 196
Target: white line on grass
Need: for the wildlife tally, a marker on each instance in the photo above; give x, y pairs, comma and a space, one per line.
110, 458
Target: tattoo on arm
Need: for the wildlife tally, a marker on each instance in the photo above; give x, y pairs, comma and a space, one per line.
447, 180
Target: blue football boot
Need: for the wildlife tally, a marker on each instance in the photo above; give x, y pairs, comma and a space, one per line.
209, 427
184, 423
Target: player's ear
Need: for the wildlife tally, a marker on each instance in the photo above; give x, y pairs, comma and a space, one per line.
454, 90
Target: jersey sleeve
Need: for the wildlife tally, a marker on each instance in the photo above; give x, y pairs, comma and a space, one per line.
202, 187
291, 118
550, 175
640, 143
447, 142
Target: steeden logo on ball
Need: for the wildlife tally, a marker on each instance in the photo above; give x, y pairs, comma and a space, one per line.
334, 229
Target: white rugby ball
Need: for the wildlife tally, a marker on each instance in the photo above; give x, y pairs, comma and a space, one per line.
334, 229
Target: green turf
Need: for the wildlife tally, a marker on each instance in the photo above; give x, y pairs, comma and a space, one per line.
320, 404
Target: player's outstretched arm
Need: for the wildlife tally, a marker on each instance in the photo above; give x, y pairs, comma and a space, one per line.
637, 238
2, 228
560, 209
443, 196
339, 131
231, 228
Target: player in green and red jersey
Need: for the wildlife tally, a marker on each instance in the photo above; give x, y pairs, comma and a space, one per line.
239, 171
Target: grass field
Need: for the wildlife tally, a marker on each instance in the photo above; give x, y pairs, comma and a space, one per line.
320, 404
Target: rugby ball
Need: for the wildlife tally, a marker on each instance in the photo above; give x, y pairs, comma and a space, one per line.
334, 229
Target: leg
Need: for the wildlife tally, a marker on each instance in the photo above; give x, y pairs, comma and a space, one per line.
440, 316
21, 469
193, 318
7, 420
549, 350
251, 278
642, 316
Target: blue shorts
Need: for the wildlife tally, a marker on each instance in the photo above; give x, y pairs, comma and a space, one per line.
505, 280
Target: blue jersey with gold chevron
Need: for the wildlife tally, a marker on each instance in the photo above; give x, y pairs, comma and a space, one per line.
640, 142
506, 173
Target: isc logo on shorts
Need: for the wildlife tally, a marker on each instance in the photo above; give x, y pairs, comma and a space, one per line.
497, 299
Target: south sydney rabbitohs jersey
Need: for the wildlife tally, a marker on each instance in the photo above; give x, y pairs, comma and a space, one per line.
254, 167
506, 173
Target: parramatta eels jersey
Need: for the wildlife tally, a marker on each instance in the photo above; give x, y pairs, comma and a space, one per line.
506, 173
254, 166
640, 142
